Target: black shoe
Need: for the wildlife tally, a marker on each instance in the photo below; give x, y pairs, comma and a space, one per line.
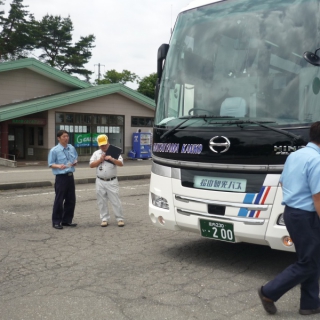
57, 226
309, 312
66, 224
267, 304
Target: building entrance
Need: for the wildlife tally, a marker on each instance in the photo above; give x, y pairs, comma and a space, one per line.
16, 142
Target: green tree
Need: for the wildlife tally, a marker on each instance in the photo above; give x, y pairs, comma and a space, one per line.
54, 38
16, 32
147, 85
112, 76
1, 12
78, 55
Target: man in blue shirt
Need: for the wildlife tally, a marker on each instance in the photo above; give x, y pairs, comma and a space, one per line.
62, 159
300, 182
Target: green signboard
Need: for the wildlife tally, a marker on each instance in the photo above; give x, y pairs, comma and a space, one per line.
85, 139
94, 142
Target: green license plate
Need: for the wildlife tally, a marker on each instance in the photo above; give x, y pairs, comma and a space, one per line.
217, 230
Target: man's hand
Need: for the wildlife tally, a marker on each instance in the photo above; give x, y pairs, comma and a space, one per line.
62, 166
102, 158
316, 201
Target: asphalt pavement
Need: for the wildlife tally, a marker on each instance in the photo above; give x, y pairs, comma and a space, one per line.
37, 174
138, 272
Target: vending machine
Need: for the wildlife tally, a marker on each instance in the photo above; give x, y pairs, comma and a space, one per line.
141, 145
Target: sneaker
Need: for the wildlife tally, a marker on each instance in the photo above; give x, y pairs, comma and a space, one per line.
120, 223
104, 223
267, 304
309, 312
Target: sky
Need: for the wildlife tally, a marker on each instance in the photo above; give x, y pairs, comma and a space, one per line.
128, 32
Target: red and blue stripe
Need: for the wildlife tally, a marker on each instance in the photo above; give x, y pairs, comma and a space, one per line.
254, 198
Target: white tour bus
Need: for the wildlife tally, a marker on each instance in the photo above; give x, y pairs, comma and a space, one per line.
238, 87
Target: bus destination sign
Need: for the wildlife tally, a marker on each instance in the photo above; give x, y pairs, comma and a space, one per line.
221, 184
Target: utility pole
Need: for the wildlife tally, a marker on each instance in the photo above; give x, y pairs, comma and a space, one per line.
171, 22
99, 74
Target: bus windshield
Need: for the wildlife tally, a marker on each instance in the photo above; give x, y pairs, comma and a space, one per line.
243, 59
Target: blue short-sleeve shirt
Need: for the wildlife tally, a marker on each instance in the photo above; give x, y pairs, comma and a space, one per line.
61, 155
300, 178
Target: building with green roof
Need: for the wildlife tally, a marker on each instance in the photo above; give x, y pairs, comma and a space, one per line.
37, 100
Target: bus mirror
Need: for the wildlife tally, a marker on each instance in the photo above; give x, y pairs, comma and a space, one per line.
162, 54
312, 58
156, 90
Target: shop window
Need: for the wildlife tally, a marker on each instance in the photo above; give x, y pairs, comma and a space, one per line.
86, 125
95, 119
102, 129
86, 129
87, 119
120, 120
149, 122
78, 118
31, 136
116, 120
69, 118
59, 118
112, 120
40, 136
141, 122
103, 119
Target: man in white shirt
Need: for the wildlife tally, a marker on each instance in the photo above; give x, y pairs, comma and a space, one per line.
107, 186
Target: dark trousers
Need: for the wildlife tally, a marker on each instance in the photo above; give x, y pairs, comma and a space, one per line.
65, 200
304, 230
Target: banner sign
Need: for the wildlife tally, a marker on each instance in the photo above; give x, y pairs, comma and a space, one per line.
85, 140
34, 121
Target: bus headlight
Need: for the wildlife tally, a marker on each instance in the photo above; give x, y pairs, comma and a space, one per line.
281, 220
159, 202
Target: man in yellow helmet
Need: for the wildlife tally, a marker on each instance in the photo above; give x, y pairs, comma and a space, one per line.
107, 186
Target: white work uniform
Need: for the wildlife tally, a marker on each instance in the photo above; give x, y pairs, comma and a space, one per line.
107, 190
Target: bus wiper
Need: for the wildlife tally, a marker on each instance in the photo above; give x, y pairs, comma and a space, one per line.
186, 119
176, 127
295, 138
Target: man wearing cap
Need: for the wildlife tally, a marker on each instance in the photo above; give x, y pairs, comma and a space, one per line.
62, 159
107, 186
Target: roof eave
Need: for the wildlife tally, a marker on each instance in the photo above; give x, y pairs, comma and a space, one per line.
67, 98
45, 70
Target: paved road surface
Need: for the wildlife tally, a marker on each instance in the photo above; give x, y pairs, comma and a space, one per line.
130, 273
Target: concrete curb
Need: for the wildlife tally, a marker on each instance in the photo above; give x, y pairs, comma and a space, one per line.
23, 185
39, 184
